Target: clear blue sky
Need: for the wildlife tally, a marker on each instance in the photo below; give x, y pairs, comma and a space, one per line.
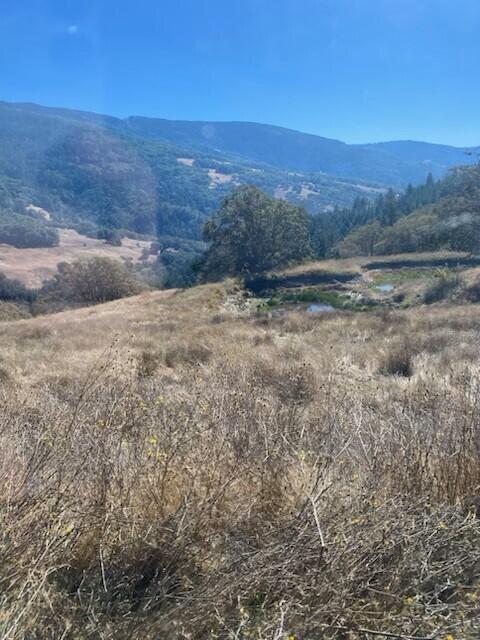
357, 70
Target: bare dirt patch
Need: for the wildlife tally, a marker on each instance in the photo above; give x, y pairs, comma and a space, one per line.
187, 162
218, 178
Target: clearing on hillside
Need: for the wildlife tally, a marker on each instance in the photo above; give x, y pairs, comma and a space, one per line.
33, 266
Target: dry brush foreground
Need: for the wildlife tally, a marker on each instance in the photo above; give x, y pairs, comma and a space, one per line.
172, 468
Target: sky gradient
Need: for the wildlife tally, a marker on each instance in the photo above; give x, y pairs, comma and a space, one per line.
356, 70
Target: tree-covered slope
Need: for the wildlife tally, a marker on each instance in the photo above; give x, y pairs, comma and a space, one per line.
447, 218
95, 170
391, 163
161, 177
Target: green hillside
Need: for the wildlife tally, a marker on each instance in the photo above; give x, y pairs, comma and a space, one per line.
391, 163
448, 218
96, 171
163, 178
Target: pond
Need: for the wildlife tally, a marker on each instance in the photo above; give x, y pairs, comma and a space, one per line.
385, 288
320, 308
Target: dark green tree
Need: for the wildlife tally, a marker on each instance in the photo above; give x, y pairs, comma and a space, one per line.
253, 233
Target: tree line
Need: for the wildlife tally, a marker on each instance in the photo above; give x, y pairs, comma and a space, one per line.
442, 215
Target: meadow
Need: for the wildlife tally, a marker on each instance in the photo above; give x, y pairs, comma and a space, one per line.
180, 465
33, 266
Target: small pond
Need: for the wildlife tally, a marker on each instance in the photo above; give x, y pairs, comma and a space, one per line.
320, 308
385, 288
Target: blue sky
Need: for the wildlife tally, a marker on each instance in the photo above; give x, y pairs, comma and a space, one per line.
356, 70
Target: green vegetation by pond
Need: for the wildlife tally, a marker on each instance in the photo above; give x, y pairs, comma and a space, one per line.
311, 295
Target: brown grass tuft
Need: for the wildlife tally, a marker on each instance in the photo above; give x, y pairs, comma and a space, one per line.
397, 361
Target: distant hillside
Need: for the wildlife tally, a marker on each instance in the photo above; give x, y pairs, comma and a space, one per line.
160, 177
448, 218
432, 158
391, 163
97, 171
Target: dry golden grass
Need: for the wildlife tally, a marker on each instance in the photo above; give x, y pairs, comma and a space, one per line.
359, 262
174, 469
33, 266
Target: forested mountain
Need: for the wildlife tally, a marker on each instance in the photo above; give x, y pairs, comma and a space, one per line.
391, 163
96, 171
165, 178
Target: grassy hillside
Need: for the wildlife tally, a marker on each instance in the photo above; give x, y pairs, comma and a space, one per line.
178, 465
33, 266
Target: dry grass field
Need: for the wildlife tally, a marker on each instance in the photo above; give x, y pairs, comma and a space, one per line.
33, 266
358, 263
176, 467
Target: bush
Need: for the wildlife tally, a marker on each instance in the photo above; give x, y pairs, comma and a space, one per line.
90, 281
187, 354
472, 293
111, 236
441, 288
13, 311
14, 290
148, 362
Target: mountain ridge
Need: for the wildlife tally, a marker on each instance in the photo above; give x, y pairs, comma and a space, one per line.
385, 162
164, 177
209, 135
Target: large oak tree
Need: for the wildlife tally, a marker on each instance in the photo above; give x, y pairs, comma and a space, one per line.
253, 233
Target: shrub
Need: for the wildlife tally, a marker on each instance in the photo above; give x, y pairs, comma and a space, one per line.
14, 290
148, 362
4, 375
111, 236
13, 311
92, 281
472, 293
441, 288
190, 354
295, 384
